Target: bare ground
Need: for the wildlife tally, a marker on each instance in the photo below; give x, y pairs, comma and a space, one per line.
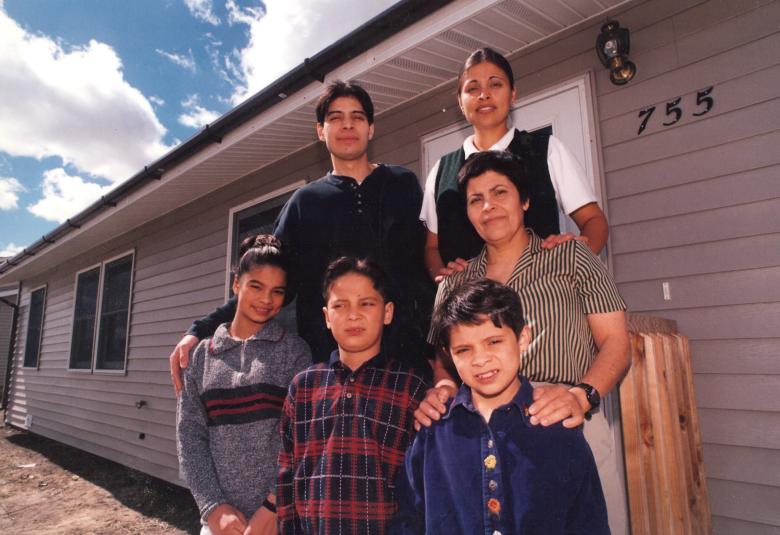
49, 488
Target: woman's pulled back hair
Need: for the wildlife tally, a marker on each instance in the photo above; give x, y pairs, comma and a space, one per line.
487, 55
261, 250
501, 162
361, 266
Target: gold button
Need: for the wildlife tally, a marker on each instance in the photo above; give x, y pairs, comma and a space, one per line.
490, 462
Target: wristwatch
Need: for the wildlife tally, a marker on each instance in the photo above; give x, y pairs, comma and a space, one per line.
591, 394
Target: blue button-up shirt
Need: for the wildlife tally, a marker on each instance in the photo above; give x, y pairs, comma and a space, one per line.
463, 475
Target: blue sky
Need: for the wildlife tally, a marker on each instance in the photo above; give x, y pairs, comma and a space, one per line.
92, 90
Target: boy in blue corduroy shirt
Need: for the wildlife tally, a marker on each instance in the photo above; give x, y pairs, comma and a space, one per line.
484, 468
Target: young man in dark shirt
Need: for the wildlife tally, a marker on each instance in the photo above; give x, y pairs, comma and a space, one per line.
359, 208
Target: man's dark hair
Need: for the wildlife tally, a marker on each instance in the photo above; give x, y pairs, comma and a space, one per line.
340, 89
472, 302
361, 266
501, 162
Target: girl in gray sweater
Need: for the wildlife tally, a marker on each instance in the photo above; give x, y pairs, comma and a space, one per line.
234, 389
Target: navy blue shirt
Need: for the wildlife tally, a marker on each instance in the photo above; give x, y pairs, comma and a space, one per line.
463, 475
336, 216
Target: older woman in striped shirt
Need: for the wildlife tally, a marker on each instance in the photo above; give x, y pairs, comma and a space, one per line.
579, 350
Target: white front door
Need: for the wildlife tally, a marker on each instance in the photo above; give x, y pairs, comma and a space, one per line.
565, 108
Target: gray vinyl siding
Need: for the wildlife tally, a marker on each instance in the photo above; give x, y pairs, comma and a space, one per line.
6, 318
694, 204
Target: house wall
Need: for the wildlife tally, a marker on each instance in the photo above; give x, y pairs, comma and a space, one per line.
693, 204
6, 319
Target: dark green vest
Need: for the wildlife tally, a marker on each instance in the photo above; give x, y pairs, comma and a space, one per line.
457, 238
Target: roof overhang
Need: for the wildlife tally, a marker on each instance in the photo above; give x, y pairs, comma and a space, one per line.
411, 49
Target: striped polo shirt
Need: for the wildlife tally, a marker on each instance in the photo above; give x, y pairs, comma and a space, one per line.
558, 287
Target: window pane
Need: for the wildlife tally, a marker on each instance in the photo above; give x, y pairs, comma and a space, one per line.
114, 313
32, 347
83, 339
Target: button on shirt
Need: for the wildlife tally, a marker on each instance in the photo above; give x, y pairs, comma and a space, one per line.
344, 434
463, 475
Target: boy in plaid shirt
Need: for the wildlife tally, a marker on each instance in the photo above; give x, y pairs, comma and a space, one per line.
347, 423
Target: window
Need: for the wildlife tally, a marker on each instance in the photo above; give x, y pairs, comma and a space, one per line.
101, 313
258, 217
32, 347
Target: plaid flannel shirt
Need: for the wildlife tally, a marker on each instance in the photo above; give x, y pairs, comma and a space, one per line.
344, 435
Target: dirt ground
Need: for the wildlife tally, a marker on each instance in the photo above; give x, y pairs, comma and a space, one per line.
47, 488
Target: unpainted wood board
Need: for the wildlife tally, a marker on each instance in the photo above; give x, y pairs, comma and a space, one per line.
728, 94
756, 503
723, 525
733, 254
740, 428
707, 131
709, 225
713, 289
673, 78
729, 322
736, 356
758, 466
745, 392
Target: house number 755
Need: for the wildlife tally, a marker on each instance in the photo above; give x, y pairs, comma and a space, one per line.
674, 111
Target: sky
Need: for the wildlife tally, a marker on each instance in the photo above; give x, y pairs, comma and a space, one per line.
93, 90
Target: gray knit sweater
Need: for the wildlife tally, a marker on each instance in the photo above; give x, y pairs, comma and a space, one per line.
228, 415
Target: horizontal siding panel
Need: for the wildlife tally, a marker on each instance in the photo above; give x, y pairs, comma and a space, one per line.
157, 436
150, 254
184, 316
738, 356
738, 392
716, 323
680, 78
716, 289
710, 225
739, 428
729, 95
707, 131
710, 257
722, 525
193, 271
139, 383
127, 447
746, 465
209, 293
741, 188
181, 286
182, 261
745, 501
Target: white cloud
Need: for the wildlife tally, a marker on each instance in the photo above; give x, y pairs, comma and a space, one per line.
74, 104
196, 115
157, 101
65, 195
203, 10
10, 249
9, 189
185, 62
290, 31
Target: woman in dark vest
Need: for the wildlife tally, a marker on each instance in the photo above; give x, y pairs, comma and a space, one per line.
486, 91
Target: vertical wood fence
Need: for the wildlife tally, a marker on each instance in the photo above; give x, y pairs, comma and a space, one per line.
667, 491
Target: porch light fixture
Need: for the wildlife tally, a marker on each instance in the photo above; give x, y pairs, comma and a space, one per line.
612, 47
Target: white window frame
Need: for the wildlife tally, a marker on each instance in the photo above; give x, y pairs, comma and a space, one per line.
278, 192
40, 336
93, 369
